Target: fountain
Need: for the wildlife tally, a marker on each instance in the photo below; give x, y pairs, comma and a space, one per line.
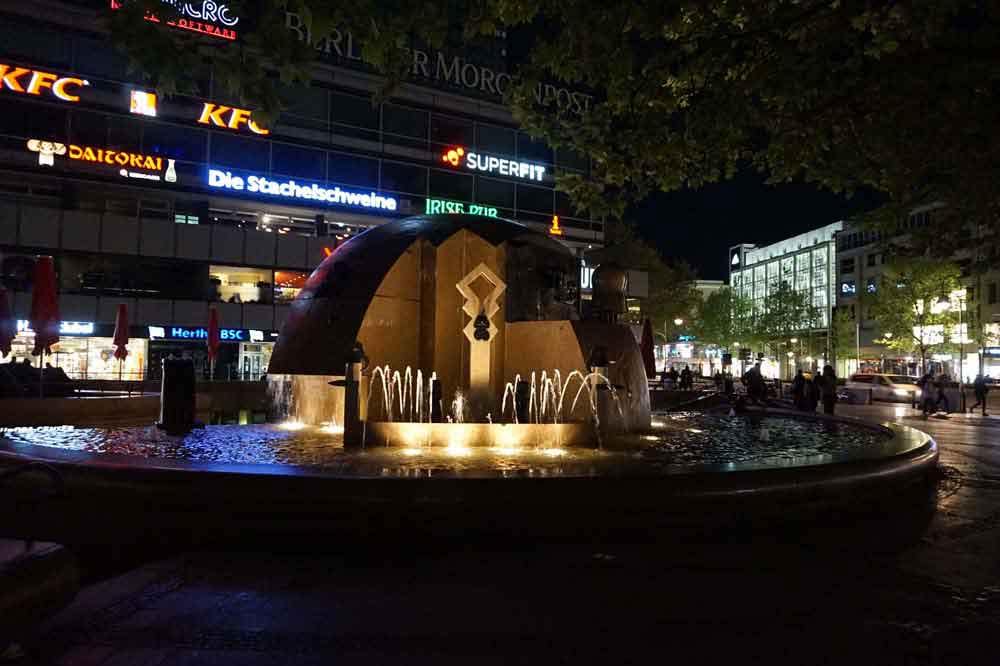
448, 356
456, 312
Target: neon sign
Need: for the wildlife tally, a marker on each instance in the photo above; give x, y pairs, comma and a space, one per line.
200, 333
201, 16
142, 103
435, 206
216, 114
35, 81
555, 229
458, 156
124, 160
291, 189
65, 327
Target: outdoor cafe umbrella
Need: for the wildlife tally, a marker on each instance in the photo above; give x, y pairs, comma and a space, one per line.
8, 327
121, 337
213, 339
44, 318
646, 348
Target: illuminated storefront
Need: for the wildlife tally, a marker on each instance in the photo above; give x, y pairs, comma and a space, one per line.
243, 353
85, 351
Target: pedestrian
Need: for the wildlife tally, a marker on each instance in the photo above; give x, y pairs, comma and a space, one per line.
754, 382
812, 394
687, 380
719, 382
727, 381
981, 389
799, 390
940, 384
828, 387
926, 384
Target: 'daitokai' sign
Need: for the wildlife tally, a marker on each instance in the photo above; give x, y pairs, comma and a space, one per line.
440, 68
292, 189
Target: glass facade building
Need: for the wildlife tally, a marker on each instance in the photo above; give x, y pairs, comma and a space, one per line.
169, 204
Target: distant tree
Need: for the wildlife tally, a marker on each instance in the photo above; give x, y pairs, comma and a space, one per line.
671, 285
724, 318
786, 312
844, 334
905, 307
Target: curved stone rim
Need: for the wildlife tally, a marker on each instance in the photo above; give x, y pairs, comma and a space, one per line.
906, 443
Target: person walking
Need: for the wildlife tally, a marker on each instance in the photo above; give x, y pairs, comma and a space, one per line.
926, 384
799, 390
940, 384
687, 379
828, 388
980, 388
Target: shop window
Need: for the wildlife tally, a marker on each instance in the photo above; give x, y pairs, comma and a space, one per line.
32, 121
404, 178
179, 143
35, 43
239, 284
499, 140
89, 129
403, 126
305, 107
295, 161
450, 132
98, 58
287, 285
240, 153
354, 116
533, 150
352, 170
125, 134
570, 159
447, 185
538, 199
496, 192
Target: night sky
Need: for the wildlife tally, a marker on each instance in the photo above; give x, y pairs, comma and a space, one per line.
699, 226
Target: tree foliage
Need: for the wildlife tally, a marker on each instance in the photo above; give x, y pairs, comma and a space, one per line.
905, 306
724, 318
786, 312
900, 97
671, 285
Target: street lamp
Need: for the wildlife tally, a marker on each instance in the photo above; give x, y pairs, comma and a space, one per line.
678, 321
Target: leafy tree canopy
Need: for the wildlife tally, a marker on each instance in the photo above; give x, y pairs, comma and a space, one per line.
905, 307
901, 97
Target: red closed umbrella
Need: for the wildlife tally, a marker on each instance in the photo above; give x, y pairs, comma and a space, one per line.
213, 338
44, 307
121, 337
646, 348
121, 332
8, 326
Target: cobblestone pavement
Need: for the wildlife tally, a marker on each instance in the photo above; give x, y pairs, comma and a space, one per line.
909, 586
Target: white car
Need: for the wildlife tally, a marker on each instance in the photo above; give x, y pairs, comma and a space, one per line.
886, 387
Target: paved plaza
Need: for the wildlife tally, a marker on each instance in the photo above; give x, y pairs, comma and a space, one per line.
917, 583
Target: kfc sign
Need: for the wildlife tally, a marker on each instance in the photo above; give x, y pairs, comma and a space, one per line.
40, 84
229, 117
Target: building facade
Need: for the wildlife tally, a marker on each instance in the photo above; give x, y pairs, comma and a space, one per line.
172, 204
861, 261
805, 263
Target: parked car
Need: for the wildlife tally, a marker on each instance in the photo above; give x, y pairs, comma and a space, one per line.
893, 388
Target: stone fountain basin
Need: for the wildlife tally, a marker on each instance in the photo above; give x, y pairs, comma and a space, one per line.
480, 435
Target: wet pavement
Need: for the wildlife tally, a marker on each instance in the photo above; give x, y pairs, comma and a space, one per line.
914, 582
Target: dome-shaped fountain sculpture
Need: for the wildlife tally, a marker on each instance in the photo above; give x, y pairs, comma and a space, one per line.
471, 318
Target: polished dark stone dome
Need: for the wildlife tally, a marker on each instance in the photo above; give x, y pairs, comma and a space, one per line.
326, 315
